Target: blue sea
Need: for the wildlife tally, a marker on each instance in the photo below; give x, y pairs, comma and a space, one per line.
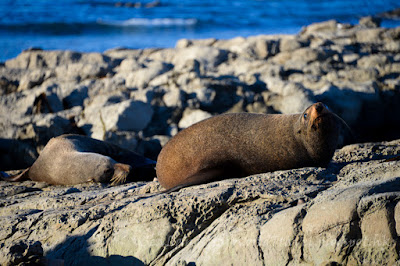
98, 25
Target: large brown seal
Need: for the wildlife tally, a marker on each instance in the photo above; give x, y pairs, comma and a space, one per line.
242, 144
74, 159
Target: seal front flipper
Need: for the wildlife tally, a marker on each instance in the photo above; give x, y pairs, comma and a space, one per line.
121, 172
204, 176
24, 175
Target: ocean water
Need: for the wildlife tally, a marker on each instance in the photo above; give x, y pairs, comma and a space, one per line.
98, 25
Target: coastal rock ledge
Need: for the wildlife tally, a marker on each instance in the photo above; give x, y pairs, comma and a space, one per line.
347, 213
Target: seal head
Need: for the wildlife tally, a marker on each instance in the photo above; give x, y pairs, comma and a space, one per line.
318, 129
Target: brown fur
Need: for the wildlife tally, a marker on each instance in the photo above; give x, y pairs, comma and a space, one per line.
74, 159
238, 145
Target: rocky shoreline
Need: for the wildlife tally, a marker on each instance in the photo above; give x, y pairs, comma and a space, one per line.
139, 99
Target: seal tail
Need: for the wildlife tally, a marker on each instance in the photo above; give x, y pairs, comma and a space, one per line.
24, 175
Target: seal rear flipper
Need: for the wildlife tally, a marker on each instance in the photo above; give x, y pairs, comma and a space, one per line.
24, 175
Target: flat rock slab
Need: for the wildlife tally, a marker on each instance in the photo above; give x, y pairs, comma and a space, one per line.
346, 213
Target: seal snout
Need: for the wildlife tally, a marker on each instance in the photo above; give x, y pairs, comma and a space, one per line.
317, 112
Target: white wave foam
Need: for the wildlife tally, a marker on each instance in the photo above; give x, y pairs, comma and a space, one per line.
155, 22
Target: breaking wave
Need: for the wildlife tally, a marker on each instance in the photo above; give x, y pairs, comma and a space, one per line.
155, 22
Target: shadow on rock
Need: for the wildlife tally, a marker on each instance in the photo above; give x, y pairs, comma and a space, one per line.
74, 251
16, 154
363, 110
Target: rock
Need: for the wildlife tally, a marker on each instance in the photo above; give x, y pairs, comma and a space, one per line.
207, 56
372, 61
289, 43
21, 252
206, 96
34, 78
300, 216
392, 14
8, 86
76, 97
183, 43
129, 65
369, 35
320, 27
111, 114
173, 98
370, 22
140, 78
258, 47
286, 96
191, 117
32, 59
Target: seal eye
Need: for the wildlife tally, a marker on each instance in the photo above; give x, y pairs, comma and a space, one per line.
305, 115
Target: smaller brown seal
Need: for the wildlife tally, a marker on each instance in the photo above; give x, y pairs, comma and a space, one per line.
242, 144
74, 159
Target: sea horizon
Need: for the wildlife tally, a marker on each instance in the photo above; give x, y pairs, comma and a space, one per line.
100, 25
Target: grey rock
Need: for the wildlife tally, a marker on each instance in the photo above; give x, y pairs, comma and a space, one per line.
191, 117
33, 78
370, 22
289, 43
297, 216
173, 98
370, 61
23, 252
369, 35
128, 65
33, 59
112, 113
320, 27
141, 77
208, 56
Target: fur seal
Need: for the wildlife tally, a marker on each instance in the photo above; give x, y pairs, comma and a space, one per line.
74, 159
242, 144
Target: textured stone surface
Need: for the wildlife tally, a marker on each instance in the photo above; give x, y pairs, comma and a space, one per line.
346, 213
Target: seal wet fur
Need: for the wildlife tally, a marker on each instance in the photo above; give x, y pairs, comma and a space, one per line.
74, 159
242, 144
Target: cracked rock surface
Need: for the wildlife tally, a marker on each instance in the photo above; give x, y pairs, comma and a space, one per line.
346, 213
